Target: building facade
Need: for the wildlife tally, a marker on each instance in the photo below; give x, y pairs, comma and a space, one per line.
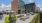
21, 6
31, 7
37, 9
18, 6
14, 6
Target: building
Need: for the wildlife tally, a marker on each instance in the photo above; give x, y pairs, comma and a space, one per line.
31, 7
37, 9
21, 6
14, 6
18, 6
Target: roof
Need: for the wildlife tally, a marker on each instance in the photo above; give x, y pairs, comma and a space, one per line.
30, 4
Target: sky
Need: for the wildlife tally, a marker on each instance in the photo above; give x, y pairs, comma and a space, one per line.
6, 4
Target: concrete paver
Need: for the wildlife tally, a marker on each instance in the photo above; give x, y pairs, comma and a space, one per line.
27, 20
20, 21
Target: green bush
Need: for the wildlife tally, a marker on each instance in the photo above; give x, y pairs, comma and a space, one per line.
7, 20
36, 19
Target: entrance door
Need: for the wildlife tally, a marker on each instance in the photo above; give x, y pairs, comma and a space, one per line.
19, 11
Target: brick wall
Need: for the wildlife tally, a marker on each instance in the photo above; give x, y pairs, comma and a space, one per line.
14, 6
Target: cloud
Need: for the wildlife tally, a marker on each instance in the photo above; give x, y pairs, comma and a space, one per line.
40, 8
5, 7
8, 5
2, 6
38, 5
12, 0
30, 1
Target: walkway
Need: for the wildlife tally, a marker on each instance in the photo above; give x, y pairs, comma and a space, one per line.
27, 20
20, 21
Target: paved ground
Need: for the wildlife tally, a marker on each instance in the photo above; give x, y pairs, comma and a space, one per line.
20, 21
2, 21
27, 20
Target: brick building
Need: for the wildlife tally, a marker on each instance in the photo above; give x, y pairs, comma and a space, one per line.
17, 5
14, 6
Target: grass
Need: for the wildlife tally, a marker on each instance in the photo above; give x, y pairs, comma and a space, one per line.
36, 19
